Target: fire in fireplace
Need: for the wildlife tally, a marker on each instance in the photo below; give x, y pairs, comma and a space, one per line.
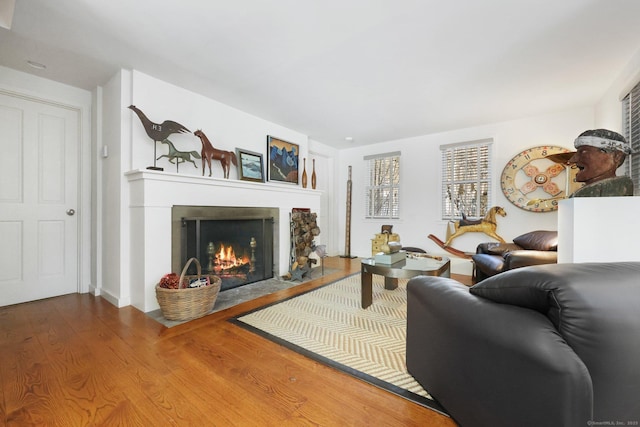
234, 244
224, 262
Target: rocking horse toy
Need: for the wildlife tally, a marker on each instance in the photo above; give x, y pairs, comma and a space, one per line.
486, 225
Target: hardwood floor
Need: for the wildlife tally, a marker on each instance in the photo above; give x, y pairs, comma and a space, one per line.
77, 360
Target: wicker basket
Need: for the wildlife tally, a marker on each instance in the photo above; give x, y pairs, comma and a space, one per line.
188, 303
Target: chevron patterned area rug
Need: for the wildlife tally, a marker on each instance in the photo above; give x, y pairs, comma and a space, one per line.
328, 325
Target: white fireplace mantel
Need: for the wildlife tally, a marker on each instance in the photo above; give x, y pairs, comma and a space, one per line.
152, 194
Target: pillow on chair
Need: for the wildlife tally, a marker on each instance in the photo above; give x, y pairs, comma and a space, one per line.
539, 240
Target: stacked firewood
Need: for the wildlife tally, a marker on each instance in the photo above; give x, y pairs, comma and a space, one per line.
304, 228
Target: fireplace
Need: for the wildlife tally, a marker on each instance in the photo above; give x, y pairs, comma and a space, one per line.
234, 243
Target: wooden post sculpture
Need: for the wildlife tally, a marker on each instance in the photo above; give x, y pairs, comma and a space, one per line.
158, 132
347, 237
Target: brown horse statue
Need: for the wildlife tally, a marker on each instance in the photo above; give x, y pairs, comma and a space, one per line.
209, 152
486, 225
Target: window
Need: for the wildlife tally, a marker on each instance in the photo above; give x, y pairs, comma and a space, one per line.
466, 179
631, 131
383, 190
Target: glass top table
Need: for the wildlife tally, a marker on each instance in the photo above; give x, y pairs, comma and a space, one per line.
416, 265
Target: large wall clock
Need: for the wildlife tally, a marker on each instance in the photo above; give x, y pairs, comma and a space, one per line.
533, 182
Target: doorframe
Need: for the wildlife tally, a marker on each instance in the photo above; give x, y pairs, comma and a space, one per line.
17, 84
330, 232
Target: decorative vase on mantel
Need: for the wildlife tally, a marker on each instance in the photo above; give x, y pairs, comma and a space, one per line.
304, 173
313, 175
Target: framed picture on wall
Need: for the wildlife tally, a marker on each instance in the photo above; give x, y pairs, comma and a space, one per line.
283, 160
251, 166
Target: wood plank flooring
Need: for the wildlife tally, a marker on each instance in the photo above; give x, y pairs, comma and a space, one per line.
77, 360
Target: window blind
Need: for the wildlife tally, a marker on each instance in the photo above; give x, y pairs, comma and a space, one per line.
466, 179
631, 129
382, 196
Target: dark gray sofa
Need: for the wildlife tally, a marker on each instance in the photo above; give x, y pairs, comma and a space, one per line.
548, 345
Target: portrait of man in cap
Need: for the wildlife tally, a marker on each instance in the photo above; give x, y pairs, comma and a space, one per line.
600, 152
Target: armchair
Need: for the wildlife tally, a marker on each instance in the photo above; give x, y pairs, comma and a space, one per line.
548, 345
533, 248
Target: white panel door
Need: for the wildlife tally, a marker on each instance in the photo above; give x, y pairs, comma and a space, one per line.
38, 199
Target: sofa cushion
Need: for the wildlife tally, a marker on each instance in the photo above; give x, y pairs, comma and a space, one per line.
539, 240
551, 288
502, 248
515, 287
488, 264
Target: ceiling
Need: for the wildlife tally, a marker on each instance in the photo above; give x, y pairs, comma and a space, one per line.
373, 70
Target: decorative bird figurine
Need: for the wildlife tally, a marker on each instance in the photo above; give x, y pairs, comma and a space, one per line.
158, 132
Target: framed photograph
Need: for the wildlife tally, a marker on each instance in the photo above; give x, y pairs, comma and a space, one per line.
251, 166
283, 160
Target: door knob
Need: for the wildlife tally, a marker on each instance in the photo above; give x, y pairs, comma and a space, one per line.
71, 212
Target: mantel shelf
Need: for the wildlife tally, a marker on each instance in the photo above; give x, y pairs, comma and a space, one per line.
162, 176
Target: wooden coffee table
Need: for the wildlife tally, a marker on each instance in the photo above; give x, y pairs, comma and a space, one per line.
399, 270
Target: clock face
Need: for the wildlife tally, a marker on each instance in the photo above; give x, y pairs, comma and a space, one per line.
535, 183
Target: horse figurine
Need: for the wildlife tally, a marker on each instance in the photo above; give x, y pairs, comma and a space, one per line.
177, 156
209, 152
486, 225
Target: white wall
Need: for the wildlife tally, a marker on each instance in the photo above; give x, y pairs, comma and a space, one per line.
131, 149
608, 110
420, 165
420, 195
227, 128
114, 191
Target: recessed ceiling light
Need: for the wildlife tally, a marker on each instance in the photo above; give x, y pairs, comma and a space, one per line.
37, 65
348, 139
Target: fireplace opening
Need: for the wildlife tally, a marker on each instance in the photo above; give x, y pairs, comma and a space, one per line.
235, 245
